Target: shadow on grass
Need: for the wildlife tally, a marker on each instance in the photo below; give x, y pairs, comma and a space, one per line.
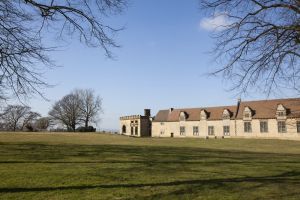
162, 160
149, 162
121, 154
292, 177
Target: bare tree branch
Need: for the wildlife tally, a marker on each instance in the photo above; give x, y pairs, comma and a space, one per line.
23, 25
259, 47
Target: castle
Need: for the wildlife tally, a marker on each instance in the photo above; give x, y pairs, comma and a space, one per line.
278, 118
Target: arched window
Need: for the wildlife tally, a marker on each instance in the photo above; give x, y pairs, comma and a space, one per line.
123, 129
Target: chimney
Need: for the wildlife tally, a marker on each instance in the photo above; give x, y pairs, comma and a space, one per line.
238, 106
171, 109
147, 112
236, 114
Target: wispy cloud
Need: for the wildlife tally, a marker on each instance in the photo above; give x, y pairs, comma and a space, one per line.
218, 22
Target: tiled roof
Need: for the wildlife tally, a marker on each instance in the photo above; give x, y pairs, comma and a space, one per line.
193, 114
266, 109
262, 109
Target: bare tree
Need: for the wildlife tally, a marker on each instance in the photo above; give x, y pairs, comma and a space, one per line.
14, 115
23, 25
258, 43
29, 120
90, 105
67, 111
42, 123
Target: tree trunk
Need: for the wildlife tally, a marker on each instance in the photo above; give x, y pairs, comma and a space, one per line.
15, 126
86, 122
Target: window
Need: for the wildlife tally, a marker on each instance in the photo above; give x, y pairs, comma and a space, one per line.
281, 127
131, 131
247, 127
280, 114
211, 130
136, 121
182, 130
136, 130
298, 126
247, 115
263, 126
195, 130
226, 116
226, 130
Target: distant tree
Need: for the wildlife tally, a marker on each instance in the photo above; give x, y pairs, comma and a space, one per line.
67, 111
42, 123
257, 42
14, 115
90, 105
29, 120
24, 25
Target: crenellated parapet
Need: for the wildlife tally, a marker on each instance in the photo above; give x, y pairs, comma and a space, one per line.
136, 125
131, 117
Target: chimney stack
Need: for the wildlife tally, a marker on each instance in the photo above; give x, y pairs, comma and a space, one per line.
171, 109
238, 107
147, 112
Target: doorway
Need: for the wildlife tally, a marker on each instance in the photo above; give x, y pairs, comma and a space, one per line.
123, 129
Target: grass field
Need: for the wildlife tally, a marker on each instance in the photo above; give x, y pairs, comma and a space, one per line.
97, 166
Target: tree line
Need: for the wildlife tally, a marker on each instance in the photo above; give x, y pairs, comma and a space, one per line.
76, 111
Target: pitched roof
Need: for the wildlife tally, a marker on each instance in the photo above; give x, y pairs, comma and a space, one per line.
266, 109
263, 109
193, 114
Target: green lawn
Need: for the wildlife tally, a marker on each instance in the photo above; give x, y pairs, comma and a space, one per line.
97, 166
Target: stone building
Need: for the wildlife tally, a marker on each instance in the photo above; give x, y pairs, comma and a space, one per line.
136, 125
279, 118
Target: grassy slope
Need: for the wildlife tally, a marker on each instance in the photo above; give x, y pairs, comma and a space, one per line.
97, 166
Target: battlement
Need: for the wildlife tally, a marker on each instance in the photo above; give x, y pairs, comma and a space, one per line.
131, 117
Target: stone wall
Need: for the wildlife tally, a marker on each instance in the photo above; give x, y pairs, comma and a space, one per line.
168, 129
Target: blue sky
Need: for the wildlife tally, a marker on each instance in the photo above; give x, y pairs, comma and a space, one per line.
162, 63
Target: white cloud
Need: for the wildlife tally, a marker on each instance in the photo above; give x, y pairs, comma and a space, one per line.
218, 22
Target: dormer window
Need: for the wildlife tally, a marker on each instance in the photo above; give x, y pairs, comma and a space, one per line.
281, 112
247, 115
226, 114
203, 115
182, 116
